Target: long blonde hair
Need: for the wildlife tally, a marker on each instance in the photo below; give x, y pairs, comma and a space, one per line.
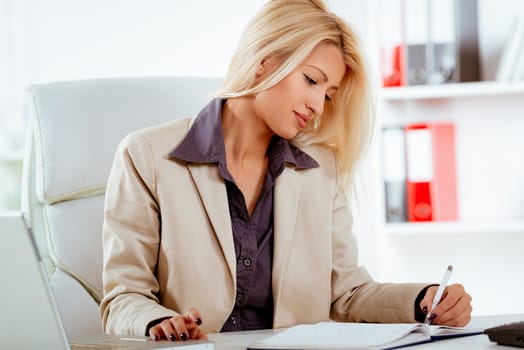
288, 30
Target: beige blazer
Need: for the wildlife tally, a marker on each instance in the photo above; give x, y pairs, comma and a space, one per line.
168, 244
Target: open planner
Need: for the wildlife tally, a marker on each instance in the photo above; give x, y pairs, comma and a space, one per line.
346, 335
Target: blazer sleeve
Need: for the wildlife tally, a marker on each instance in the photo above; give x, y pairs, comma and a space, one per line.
356, 297
131, 238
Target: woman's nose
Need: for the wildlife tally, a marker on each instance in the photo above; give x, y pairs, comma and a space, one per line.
316, 104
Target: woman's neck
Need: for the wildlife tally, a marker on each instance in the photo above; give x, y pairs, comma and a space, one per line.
246, 137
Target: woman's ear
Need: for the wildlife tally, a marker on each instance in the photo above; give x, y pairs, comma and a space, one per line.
265, 68
262, 68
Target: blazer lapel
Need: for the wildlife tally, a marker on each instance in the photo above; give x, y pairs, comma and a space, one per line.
288, 188
213, 193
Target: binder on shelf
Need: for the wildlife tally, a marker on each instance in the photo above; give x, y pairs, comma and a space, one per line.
394, 173
391, 43
431, 175
428, 41
392, 65
519, 69
467, 41
512, 54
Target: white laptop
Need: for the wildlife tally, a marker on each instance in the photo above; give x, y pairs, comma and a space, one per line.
29, 318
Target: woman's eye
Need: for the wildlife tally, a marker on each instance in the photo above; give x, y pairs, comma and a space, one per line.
310, 80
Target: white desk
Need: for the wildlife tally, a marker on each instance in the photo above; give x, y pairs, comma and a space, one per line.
240, 340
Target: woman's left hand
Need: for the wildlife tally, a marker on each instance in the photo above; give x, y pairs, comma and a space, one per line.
454, 308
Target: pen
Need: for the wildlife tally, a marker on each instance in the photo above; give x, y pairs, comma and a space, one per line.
438, 295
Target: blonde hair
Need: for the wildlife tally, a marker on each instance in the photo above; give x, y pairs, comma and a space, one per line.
288, 30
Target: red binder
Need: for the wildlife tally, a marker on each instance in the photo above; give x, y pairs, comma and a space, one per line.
393, 66
431, 173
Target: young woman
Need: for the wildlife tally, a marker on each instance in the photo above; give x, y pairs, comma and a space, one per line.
239, 219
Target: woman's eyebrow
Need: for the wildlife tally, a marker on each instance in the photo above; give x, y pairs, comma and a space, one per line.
324, 75
320, 70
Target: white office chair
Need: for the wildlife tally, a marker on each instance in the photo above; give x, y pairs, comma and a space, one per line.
75, 128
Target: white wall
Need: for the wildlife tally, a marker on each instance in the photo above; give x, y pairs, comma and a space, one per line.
88, 39
91, 39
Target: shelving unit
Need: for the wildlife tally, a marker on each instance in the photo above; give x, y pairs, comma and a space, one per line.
471, 228
489, 127
489, 235
485, 244
432, 92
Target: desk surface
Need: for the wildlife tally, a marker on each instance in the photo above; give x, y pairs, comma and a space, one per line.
240, 340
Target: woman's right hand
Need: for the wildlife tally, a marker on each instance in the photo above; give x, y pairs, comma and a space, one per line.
183, 327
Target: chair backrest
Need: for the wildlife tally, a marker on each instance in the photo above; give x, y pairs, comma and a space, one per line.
74, 130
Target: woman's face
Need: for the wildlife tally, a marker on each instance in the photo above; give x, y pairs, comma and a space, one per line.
288, 106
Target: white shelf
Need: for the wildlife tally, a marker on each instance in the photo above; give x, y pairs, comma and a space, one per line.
455, 227
427, 92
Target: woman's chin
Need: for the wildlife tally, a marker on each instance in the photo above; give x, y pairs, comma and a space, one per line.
291, 134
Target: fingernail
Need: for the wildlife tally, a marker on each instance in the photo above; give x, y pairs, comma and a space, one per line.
432, 317
172, 337
198, 321
154, 337
425, 310
183, 336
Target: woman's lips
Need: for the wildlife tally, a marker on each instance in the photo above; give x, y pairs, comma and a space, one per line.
301, 120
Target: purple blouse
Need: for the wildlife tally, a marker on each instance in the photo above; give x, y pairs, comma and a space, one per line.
253, 236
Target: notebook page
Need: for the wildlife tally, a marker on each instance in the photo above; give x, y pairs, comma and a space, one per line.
437, 331
346, 335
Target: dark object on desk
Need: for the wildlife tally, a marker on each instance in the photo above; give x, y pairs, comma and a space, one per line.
511, 334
